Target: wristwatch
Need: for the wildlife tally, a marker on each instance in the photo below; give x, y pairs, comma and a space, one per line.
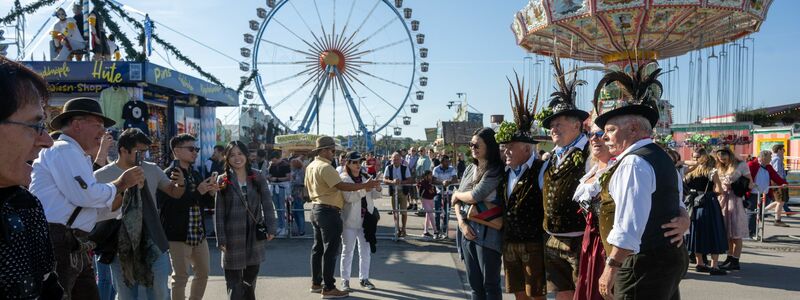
613, 263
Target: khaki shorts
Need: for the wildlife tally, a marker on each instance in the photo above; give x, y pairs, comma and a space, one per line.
523, 264
402, 199
561, 259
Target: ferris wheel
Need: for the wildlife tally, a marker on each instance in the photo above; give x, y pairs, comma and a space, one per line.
316, 64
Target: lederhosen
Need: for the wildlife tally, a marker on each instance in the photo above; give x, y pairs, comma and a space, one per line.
659, 265
561, 215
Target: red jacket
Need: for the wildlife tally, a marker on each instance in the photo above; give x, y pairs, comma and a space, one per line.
773, 176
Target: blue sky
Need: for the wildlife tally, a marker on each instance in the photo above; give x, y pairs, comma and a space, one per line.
472, 50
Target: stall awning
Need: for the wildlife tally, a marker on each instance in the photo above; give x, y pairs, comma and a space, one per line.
85, 76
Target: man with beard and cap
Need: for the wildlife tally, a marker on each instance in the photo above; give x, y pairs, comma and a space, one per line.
646, 259
523, 244
559, 178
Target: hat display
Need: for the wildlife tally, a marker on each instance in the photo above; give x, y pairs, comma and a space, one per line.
562, 101
80, 107
324, 142
521, 102
640, 93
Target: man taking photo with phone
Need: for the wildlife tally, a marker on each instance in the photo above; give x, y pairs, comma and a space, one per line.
183, 222
132, 146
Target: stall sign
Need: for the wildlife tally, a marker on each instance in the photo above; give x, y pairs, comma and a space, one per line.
106, 72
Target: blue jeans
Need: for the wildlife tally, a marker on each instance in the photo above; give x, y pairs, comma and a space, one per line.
104, 284
298, 214
160, 290
279, 200
441, 214
483, 271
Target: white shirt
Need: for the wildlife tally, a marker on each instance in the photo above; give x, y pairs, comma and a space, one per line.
761, 180
442, 174
632, 187
396, 172
582, 141
513, 177
54, 182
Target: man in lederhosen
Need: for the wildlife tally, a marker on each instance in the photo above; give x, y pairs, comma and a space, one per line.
559, 178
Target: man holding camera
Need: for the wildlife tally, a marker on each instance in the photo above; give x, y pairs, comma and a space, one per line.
132, 146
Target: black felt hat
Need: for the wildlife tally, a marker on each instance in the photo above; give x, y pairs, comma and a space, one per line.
80, 107
641, 92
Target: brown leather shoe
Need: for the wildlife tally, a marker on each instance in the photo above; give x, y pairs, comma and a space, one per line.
781, 224
334, 293
316, 288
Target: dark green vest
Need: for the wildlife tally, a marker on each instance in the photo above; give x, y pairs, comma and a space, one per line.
560, 211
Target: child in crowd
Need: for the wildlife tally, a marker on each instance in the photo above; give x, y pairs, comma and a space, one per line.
427, 192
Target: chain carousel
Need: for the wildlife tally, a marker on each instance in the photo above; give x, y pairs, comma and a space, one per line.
651, 31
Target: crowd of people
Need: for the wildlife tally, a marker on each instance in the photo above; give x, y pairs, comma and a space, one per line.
584, 221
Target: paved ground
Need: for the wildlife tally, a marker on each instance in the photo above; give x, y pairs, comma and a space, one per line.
414, 268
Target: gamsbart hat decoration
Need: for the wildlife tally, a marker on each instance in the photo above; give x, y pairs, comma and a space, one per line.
523, 108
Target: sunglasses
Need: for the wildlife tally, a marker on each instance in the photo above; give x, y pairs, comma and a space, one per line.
191, 148
474, 145
596, 134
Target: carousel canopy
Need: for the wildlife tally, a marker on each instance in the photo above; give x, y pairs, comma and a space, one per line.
594, 30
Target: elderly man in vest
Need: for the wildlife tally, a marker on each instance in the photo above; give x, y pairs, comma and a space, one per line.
398, 174
523, 243
558, 179
646, 261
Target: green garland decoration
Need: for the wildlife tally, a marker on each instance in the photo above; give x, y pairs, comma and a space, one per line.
246, 82
166, 45
130, 51
28, 9
505, 131
546, 112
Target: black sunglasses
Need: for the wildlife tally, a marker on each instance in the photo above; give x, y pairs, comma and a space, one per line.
596, 134
38, 127
191, 148
474, 145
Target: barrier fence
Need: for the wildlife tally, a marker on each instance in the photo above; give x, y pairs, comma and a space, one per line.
761, 212
444, 193
446, 212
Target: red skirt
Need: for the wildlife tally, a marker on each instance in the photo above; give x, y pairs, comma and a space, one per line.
592, 262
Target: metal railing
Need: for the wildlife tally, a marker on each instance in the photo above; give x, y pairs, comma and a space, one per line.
444, 193
761, 209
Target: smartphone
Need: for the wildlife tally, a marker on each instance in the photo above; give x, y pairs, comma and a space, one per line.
214, 176
139, 156
176, 163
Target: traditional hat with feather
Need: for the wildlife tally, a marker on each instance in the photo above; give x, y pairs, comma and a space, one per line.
562, 101
640, 93
523, 107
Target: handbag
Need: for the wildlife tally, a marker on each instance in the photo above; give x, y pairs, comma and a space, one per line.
697, 198
486, 214
741, 186
261, 229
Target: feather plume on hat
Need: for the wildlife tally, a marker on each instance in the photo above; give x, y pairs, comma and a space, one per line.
641, 92
523, 109
562, 101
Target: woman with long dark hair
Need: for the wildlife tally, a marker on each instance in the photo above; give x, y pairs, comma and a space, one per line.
480, 245
244, 211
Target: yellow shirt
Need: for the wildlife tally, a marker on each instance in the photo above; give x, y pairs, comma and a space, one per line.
320, 181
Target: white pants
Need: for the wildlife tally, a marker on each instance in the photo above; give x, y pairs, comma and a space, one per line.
349, 237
